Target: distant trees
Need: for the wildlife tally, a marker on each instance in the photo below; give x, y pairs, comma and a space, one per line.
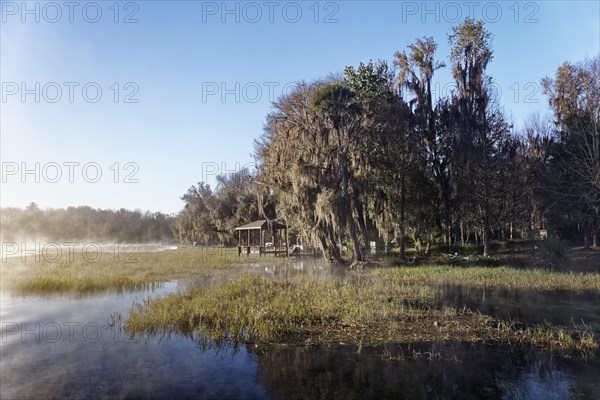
392, 173
211, 217
84, 223
475, 124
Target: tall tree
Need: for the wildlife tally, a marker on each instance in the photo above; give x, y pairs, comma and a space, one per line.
416, 71
298, 161
335, 103
470, 55
574, 96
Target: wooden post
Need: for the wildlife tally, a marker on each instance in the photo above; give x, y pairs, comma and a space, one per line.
248, 248
287, 247
262, 242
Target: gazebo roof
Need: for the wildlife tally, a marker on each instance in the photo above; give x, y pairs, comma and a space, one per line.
261, 224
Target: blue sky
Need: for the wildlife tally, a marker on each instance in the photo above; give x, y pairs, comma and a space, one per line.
179, 57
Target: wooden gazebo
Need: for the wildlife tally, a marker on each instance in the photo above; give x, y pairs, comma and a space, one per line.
252, 238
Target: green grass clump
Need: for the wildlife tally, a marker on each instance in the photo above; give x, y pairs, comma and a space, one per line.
253, 309
500, 277
302, 310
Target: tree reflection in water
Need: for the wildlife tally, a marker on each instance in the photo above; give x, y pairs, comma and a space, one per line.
457, 371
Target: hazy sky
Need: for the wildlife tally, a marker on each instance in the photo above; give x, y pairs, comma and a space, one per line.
128, 104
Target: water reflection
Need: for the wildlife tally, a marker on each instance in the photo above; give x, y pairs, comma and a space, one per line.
476, 372
314, 269
561, 308
63, 346
88, 293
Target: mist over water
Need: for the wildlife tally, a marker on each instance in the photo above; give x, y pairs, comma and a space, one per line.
83, 225
54, 251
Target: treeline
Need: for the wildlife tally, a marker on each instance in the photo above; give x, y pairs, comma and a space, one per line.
210, 217
373, 154
84, 223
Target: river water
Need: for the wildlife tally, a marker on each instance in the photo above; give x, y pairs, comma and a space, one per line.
70, 345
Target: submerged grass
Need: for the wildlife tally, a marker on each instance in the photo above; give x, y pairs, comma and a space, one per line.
500, 277
81, 273
301, 310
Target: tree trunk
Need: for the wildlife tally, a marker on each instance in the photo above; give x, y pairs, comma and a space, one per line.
325, 247
447, 213
487, 243
596, 233
457, 239
362, 228
402, 206
586, 239
348, 207
333, 251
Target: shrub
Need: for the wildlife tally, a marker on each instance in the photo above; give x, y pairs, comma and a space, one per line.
550, 253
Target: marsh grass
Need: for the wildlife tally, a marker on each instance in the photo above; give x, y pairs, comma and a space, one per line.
499, 277
134, 271
79, 274
301, 310
253, 309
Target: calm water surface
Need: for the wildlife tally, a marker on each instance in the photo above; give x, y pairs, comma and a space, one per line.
69, 345
561, 308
